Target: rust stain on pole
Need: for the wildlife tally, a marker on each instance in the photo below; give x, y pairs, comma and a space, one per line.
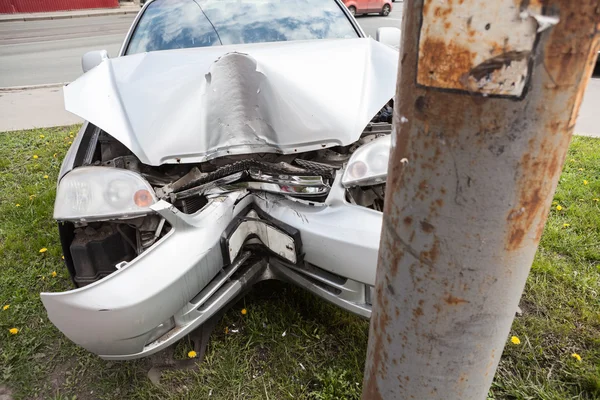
477, 45
484, 115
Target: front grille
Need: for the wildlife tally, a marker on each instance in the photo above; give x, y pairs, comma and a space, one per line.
191, 205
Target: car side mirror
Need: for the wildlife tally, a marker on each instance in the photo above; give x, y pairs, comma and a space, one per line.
389, 36
92, 59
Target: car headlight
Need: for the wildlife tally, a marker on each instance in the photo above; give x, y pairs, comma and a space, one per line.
369, 163
92, 193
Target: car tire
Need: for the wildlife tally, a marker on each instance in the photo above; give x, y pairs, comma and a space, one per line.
352, 10
385, 11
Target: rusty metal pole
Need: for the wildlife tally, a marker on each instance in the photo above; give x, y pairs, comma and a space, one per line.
487, 97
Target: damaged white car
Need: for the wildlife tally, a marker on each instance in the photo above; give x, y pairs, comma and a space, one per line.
230, 142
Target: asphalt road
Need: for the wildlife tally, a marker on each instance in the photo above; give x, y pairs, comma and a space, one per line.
41, 52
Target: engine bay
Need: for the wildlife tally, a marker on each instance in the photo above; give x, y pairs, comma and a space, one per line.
305, 177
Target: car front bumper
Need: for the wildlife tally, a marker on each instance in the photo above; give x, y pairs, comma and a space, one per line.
186, 278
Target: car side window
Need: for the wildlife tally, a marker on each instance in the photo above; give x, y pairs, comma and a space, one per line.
175, 24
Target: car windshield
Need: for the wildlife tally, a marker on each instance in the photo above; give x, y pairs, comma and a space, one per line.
176, 24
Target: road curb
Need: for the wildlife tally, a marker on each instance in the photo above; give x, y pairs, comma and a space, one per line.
32, 87
66, 16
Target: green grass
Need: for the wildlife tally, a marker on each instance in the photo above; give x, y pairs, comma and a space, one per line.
322, 353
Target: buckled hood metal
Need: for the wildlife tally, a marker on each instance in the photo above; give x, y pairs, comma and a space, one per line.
193, 105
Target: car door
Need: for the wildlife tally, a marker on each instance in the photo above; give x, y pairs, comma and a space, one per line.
362, 6
375, 6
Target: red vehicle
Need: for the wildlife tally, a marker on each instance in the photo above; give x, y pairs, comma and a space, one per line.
357, 7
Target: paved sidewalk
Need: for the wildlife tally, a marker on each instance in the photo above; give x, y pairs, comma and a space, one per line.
127, 8
588, 122
36, 107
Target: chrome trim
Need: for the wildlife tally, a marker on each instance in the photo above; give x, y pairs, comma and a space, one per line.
284, 179
297, 189
202, 189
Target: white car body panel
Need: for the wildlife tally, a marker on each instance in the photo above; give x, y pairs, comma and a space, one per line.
193, 105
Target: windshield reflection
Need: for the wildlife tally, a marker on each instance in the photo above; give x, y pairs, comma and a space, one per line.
174, 24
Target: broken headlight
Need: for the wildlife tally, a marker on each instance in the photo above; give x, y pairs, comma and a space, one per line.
369, 163
93, 193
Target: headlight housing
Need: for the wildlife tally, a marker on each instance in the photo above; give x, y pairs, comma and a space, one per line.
94, 193
369, 163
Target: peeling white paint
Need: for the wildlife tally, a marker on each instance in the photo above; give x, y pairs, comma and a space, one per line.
479, 46
545, 21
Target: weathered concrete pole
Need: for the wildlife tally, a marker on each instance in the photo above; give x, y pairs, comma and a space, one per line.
487, 97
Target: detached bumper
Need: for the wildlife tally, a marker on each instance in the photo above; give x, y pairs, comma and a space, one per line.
183, 280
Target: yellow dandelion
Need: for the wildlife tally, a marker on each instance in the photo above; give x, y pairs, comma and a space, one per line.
53, 274
515, 340
576, 356
580, 169
558, 208
192, 354
17, 205
13, 331
45, 176
226, 330
43, 250
70, 142
35, 157
71, 136
62, 257
585, 182
54, 155
596, 200
244, 311
566, 225
42, 136
6, 307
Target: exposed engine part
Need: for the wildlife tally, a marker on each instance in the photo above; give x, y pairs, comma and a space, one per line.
189, 179
331, 157
246, 165
203, 188
292, 185
130, 162
313, 188
111, 148
91, 148
386, 114
370, 197
96, 250
191, 204
100, 248
283, 174
320, 168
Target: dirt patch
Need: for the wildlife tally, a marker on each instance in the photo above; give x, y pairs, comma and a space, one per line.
57, 379
59, 375
5, 393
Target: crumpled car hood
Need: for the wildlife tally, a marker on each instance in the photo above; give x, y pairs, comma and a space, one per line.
193, 105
